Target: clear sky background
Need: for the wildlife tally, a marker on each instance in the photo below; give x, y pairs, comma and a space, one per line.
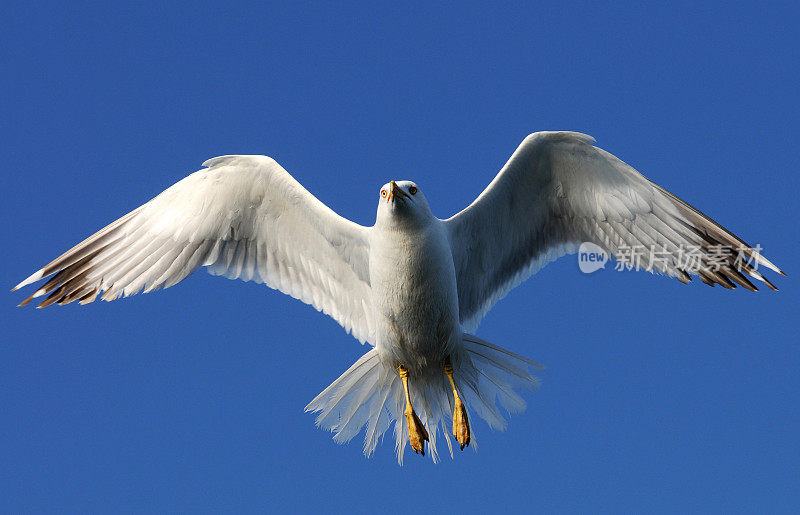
657, 396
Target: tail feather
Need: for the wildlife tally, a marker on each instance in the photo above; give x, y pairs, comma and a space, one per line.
333, 395
350, 424
365, 405
371, 394
378, 425
479, 404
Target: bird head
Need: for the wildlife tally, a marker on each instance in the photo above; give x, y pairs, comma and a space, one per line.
402, 201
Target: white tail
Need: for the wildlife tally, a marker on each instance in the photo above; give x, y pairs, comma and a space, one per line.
370, 393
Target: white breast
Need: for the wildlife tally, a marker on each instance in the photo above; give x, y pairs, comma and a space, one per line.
415, 297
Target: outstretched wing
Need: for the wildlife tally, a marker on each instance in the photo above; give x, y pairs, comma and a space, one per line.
558, 191
243, 217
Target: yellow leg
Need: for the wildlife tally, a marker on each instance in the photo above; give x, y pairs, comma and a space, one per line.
417, 434
460, 420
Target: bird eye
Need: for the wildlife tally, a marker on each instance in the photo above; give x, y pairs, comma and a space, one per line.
412, 190
383, 193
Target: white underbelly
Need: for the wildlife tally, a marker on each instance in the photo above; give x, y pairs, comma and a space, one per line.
416, 301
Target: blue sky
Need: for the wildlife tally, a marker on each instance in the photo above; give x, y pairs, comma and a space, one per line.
657, 396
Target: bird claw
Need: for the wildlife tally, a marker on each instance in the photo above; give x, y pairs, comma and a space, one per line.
461, 424
417, 435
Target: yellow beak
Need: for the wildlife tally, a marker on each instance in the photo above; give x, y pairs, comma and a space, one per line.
394, 189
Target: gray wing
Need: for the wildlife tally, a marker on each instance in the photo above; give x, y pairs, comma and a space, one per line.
243, 217
558, 190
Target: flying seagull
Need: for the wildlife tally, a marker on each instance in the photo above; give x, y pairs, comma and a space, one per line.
413, 286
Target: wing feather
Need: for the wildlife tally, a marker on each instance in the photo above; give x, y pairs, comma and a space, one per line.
243, 217
558, 190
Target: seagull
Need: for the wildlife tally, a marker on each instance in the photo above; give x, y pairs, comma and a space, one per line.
413, 286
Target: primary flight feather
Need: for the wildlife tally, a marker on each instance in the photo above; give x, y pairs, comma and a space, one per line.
413, 286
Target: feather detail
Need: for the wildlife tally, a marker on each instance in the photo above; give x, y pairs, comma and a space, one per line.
369, 394
244, 217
